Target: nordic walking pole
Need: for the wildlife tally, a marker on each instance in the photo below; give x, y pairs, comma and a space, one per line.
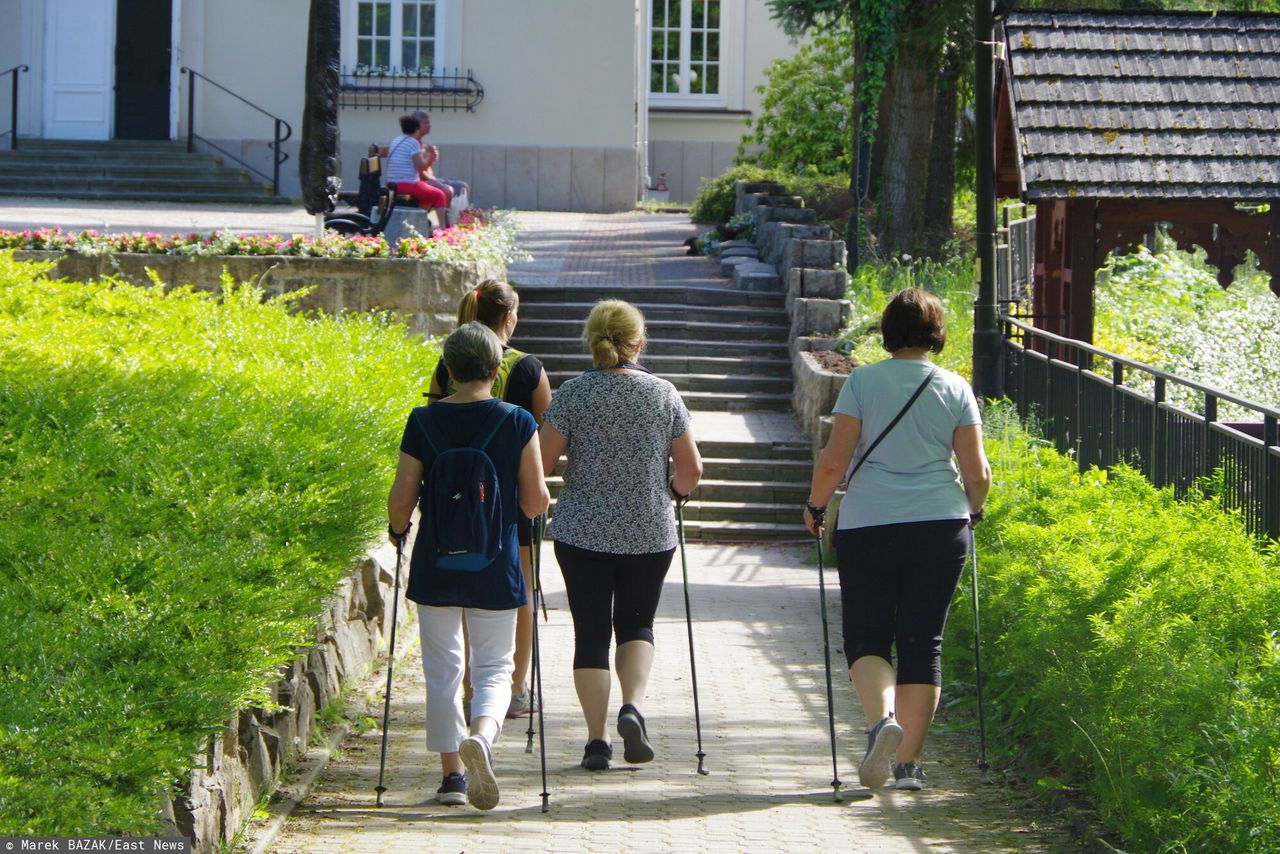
533, 602
977, 656
538, 525
391, 660
826, 660
688, 618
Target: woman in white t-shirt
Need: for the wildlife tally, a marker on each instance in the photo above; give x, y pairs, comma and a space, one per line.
902, 534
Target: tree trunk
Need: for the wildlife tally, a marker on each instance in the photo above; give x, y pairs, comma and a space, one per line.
907, 130
940, 186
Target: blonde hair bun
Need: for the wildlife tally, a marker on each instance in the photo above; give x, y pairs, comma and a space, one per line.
614, 333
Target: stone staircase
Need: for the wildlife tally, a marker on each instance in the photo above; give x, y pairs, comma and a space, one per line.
725, 350
126, 170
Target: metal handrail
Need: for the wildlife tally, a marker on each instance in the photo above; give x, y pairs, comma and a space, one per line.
279, 138
1070, 344
13, 141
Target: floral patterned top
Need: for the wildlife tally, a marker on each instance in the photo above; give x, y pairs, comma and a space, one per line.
619, 427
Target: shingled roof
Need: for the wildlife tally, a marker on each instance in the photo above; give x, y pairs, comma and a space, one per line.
1169, 106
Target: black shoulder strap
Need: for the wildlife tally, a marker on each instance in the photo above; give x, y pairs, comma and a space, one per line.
894, 423
489, 428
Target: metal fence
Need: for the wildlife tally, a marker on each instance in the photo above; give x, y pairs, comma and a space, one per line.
1105, 409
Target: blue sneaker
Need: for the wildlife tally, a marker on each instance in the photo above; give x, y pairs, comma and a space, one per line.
453, 790
908, 776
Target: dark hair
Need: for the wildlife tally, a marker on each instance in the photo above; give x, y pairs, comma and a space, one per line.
913, 318
408, 124
489, 303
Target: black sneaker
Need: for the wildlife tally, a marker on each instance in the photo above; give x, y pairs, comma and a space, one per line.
453, 790
908, 776
597, 755
882, 741
636, 747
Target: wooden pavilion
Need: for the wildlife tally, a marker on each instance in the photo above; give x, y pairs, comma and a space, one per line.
1111, 124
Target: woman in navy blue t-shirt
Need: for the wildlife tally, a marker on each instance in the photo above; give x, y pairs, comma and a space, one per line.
490, 595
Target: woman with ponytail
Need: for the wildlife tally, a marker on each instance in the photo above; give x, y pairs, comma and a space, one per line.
521, 380
614, 526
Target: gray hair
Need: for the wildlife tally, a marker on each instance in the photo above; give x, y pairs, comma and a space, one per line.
472, 352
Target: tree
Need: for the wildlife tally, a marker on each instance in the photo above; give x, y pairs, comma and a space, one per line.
318, 148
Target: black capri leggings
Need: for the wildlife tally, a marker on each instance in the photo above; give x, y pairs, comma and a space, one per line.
600, 584
896, 585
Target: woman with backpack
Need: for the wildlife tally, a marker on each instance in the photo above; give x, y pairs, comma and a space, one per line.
614, 526
523, 381
473, 465
902, 533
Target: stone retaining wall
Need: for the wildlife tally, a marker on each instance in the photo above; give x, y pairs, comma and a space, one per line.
427, 291
809, 266
244, 761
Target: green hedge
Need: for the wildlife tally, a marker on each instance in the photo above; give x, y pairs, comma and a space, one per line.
1131, 645
183, 480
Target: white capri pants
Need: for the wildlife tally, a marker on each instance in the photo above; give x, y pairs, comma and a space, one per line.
493, 645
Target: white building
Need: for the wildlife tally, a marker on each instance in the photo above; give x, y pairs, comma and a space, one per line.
581, 99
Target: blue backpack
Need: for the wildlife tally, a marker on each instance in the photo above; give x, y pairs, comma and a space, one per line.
462, 501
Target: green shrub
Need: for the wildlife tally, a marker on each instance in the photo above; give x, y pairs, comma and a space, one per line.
873, 284
716, 195
1131, 645
183, 481
804, 119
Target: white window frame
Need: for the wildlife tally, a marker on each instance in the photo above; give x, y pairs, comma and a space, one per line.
446, 58
732, 21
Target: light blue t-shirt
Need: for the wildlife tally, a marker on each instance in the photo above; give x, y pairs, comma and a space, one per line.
910, 476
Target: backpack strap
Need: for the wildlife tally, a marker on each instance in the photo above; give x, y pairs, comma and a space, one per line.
507, 410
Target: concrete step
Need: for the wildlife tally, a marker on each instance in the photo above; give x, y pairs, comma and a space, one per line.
731, 493
746, 366
748, 384
144, 194
667, 330
548, 345
713, 293
197, 183
12, 168
533, 310
772, 470
744, 451
721, 401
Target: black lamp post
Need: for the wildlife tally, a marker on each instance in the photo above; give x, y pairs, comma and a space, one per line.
987, 344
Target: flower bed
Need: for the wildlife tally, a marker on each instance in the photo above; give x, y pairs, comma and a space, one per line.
330, 275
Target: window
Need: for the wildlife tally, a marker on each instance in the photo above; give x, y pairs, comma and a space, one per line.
684, 51
395, 36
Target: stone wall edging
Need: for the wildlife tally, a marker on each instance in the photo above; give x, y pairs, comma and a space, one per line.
246, 759
426, 291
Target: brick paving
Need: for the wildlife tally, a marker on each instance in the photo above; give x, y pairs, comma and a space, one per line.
762, 693
760, 676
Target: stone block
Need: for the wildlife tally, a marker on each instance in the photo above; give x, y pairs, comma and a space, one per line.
741, 189
820, 316
772, 238
729, 265
621, 179
738, 244
405, 222
814, 392
522, 177
554, 179
739, 252
815, 254
489, 165
801, 216
779, 200
397, 290
587, 180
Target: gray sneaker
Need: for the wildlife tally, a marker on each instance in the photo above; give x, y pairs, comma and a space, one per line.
908, 776
482, 785
521, 705
877, 765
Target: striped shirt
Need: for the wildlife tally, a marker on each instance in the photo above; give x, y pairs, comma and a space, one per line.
400, 159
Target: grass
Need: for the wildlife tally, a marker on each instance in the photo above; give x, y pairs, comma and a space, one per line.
183, 480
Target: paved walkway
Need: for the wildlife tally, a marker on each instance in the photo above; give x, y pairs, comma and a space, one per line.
762, 692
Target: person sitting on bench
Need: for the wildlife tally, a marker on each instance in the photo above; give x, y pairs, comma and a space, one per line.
455, 189
406, 166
